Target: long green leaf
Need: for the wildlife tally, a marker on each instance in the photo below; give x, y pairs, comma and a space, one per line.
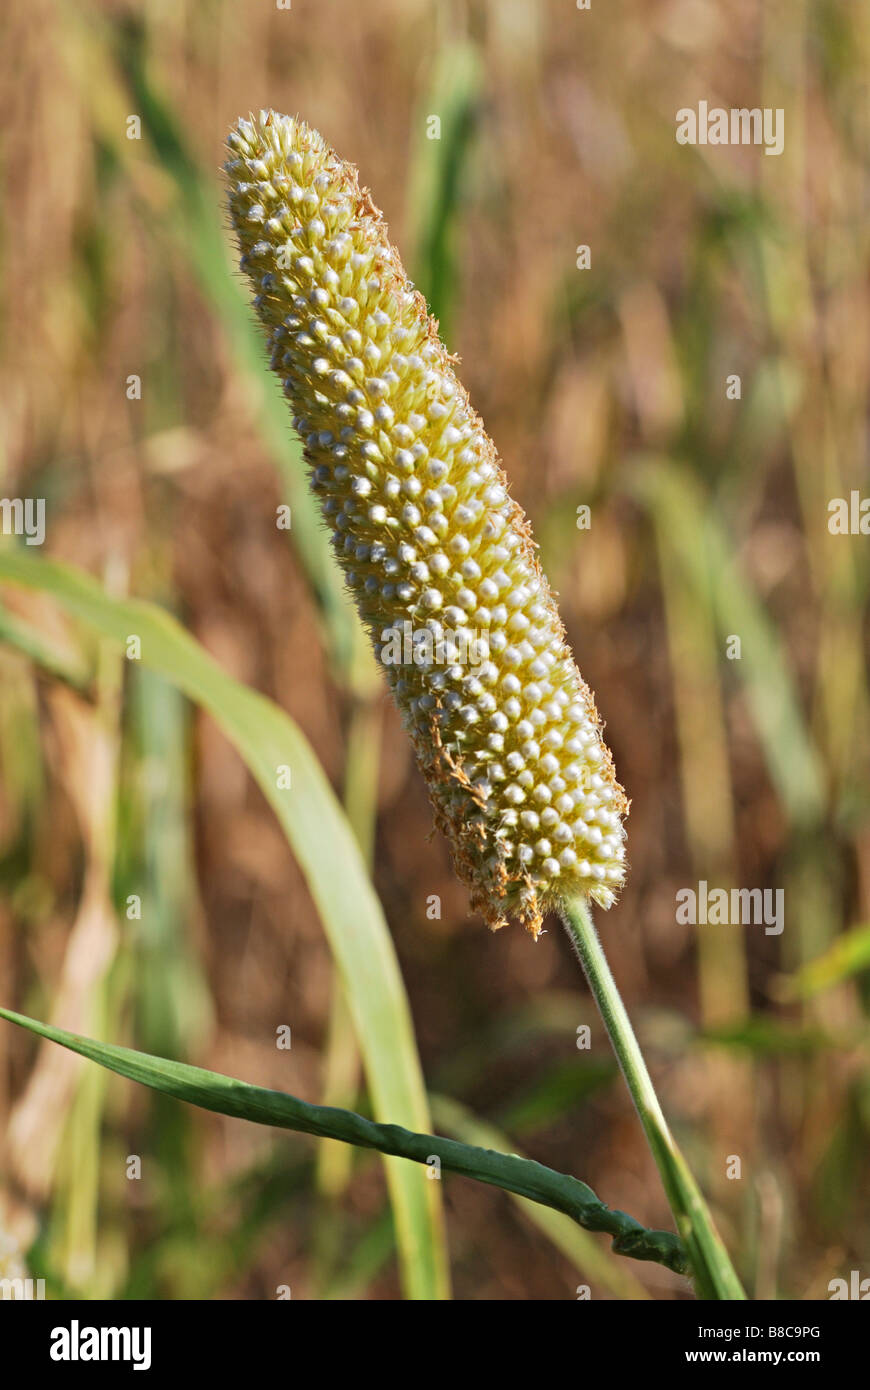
702, 548
212, 1091
435, 200
574, 1243
268, 740
849, 955
194, 220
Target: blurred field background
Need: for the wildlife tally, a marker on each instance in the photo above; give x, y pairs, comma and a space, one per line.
709, 519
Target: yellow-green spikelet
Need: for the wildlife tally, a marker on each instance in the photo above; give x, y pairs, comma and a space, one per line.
426, 533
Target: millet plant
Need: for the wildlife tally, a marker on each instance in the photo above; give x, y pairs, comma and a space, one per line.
426, 533
430, 541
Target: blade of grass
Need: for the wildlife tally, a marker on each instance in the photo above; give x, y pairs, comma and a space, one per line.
267, 740
341, 1054
110, 61
88, 751
694, 647
65, 665
362, 1264
437, 166
711, 568
227, 1096
574, 1243
165, 989
849, 955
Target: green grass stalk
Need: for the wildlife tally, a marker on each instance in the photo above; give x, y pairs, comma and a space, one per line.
714, 1274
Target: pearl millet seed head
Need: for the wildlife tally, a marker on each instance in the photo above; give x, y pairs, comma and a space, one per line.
438, 556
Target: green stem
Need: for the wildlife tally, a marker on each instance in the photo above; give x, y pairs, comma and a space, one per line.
714, 1272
